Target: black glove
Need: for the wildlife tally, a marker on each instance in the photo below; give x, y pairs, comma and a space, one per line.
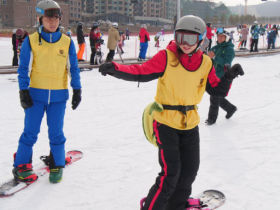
25, 99
76, 99
107, 68
234, 71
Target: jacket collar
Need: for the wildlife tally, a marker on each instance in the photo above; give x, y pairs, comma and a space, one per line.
51, 37
193, 62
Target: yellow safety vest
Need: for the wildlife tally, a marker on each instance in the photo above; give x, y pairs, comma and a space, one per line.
49, 63
179, 86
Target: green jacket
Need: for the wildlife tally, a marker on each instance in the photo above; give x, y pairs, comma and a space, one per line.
224, 53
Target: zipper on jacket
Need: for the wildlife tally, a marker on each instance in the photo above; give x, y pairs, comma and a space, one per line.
49, 97
50, 38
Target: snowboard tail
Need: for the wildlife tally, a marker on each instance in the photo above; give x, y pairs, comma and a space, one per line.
13, 186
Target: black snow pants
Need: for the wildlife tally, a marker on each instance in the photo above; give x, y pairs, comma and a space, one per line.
255, 43
210, 43
215, 103
15, 58
179, 161
93, 51
110, 55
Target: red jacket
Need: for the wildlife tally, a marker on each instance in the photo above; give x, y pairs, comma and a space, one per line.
144, 35
209, 33
95, 34
155, 67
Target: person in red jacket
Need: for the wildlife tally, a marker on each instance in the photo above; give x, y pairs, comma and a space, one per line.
144, 38
209, 34
183, 73
94, 36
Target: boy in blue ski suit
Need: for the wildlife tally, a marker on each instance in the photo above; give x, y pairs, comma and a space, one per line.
47, 56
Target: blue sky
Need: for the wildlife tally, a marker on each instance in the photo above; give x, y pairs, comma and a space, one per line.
236, 2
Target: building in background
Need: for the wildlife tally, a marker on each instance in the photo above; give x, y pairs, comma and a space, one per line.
21, 13
75, 13
151, 12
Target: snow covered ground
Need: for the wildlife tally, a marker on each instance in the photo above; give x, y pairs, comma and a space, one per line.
239, 156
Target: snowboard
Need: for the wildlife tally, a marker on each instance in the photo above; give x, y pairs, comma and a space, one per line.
211, 199
13, 186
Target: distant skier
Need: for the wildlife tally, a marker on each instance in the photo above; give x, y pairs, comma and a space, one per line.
14, 43
121, 42
183, 75
244, 33
144, 38
17, 41
69, 32
81, 41
204, 46
113, 38
157, 38
47, 57
222, 54
209, 35
127, 32
271, 38
162, 35
94, 36
255, 32
231, 36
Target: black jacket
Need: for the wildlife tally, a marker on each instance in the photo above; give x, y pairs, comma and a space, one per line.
80, 35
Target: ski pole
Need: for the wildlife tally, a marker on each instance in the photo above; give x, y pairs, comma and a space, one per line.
149, 50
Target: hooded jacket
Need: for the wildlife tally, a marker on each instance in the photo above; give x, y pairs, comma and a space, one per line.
155, 69
224, 53
144, 35
80, 35
113, 38
244, 32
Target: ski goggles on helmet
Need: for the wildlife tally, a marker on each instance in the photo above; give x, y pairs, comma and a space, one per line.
52, 12
191, 39
222, 31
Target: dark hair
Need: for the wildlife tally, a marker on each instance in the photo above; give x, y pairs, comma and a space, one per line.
208, 25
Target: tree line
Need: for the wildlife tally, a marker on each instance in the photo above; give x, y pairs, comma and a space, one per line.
235, 19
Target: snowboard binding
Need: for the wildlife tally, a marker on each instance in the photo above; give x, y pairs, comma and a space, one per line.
46, 159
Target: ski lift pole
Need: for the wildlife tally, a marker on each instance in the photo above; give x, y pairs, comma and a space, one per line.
178, 10
135, 46
86, 50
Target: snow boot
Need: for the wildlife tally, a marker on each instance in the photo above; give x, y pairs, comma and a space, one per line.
229, 114
25, 173
56, 175
209, 122
195, 204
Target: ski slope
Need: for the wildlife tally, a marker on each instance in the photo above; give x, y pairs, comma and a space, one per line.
239, 156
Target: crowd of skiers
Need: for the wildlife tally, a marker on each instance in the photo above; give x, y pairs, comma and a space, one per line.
117, 41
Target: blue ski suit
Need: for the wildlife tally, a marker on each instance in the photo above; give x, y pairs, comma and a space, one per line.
43, 70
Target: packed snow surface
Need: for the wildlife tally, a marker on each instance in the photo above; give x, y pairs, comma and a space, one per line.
239, 156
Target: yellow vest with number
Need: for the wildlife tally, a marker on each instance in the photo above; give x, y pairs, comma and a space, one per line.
49, 63
179, 86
